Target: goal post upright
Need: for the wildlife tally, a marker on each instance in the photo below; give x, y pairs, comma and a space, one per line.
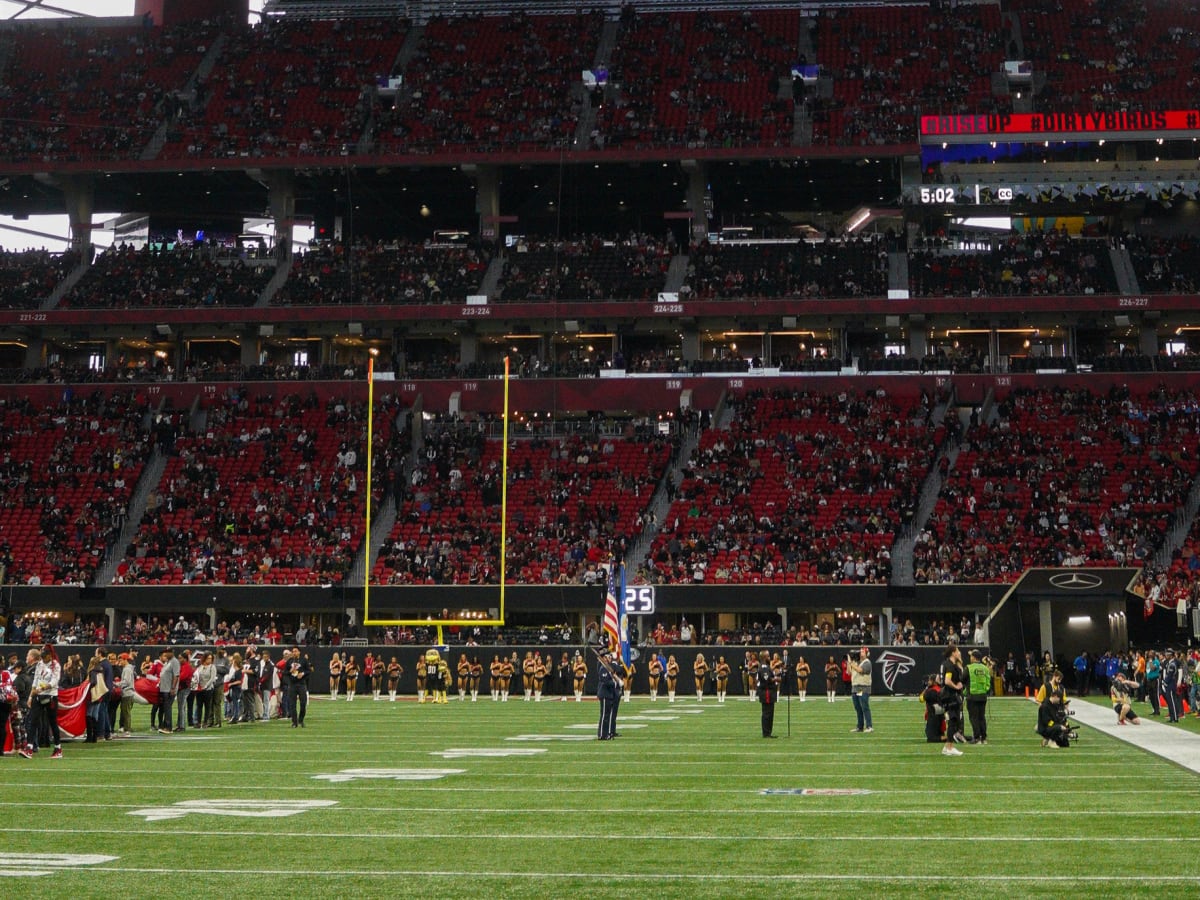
438, 623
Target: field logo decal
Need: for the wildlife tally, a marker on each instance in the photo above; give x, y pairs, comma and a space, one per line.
551, 737
249, 809
30, 865
390, 774
894, 664
813, 792
471, 752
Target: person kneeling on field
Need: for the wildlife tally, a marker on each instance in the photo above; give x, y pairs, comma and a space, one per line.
1052, 715
935, 713
1119, 694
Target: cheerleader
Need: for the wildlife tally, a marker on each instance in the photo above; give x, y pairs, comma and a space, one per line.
463, 670
335, 675
630, 670
420, 679
564, 674
833, 674
752, 672
654, 671
700, 672
507, 671
579, 671
394, 671
672, 677
802, 672
527, 675
350, 668
722, 673
496, 677
473, 675
539, 676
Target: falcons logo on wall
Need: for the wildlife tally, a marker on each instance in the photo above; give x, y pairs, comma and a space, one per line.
893, 664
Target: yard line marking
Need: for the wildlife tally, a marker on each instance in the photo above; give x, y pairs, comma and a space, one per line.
623, 810
745, 792
585, 836
753, 878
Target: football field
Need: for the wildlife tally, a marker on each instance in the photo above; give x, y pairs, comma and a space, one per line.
379, 799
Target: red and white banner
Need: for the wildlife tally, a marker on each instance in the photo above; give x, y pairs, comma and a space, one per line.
145, 690
72, 711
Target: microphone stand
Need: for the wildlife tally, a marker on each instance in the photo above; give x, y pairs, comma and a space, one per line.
789, 691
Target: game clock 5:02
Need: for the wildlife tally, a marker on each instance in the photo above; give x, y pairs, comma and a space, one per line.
941, 195
937, 195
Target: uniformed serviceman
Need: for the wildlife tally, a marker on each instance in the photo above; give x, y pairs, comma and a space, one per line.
767, 687
608, 691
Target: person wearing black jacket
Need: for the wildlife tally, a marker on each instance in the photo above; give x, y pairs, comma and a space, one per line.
298, 670
766, 685
608, 692
952, 699
1170, 684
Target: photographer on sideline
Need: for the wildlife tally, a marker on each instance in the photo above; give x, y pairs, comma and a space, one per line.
1052, 714
1119, 694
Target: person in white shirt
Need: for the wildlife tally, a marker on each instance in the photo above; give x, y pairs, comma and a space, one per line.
43, 700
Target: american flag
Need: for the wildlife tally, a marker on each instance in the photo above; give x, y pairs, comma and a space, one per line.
616, 623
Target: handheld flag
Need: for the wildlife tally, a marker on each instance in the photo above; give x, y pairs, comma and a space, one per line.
616, 621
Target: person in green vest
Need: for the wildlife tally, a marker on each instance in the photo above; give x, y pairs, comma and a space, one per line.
979, 685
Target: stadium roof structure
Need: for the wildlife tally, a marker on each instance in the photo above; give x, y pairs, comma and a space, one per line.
23, 9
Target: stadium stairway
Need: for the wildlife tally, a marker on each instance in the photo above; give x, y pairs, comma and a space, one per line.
65, 285
1181, 524
1127, 282
188, 93
491, 278
387, 511
660, 502
409, 49
600, 61
931, 489
898, 270
152, 474
676, 272
283, 270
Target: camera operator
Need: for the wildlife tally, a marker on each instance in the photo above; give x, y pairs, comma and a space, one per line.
767, 687
1052, 714
1119, 694
952, 699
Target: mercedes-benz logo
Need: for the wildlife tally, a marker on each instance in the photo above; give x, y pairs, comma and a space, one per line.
1076, 581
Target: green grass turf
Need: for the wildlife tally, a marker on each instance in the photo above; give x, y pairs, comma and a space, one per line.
671, 809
